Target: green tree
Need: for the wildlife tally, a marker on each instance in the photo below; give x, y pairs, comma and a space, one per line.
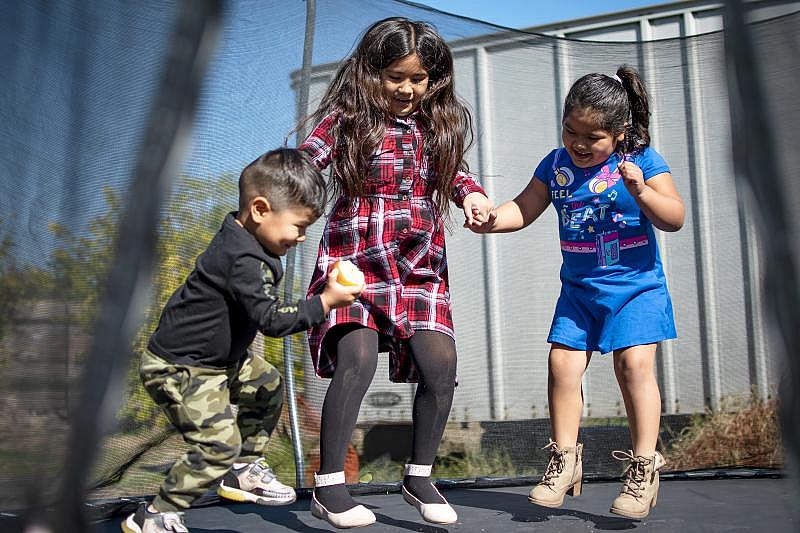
19, 285
190, 220
79, 265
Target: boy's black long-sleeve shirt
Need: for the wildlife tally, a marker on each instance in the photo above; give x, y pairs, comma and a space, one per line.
212, 318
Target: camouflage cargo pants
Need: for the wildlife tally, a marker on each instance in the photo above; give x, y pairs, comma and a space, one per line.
198, 401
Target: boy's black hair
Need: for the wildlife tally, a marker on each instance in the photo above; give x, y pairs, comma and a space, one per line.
286, 177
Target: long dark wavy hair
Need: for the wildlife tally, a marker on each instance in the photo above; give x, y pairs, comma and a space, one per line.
620, 106
356, 97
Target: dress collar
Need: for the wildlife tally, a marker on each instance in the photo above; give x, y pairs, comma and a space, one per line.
409, 120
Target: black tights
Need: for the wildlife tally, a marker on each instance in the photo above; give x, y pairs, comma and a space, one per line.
435, 357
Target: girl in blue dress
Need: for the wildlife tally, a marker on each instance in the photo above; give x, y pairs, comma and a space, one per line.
609, 188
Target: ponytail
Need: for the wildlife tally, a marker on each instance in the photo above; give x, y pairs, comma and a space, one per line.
637, 134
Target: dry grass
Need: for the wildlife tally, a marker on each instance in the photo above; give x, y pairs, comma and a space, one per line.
742, 433
496, 464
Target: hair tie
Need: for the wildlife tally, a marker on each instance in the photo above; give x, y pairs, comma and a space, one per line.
618, 79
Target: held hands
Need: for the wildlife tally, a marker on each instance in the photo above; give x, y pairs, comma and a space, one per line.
632, 178
345, 283
483, 224
477, 208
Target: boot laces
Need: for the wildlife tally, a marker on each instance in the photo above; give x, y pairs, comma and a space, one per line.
635, 474
556, 464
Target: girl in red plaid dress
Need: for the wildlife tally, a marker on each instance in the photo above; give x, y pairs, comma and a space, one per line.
394, 134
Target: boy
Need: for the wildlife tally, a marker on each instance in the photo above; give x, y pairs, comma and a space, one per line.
197, 362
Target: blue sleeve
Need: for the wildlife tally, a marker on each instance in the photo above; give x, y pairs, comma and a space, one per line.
544, 170
651, 163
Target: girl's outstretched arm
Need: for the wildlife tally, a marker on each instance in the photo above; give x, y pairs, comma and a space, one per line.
519, 212
657, 197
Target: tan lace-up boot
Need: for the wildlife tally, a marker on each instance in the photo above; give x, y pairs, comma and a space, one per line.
639, 484
563, 476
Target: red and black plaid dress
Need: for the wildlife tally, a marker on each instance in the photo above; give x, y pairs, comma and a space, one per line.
395, 235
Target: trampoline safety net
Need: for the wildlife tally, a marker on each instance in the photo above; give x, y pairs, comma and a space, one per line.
79, 85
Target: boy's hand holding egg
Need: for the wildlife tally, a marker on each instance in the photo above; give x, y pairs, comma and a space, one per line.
345, 283
349, 274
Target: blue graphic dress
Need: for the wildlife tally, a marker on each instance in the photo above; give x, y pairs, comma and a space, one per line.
613, 290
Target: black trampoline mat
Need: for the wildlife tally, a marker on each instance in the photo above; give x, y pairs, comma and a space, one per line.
701, 505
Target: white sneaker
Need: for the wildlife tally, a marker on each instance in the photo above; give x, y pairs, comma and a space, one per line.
256, 483
143, 521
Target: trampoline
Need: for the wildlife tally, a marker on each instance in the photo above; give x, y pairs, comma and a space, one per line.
121, 114
721, 504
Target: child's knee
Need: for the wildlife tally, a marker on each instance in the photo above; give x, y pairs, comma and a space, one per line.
264, 390
361, 366
630, 368
565, 367
271, 388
